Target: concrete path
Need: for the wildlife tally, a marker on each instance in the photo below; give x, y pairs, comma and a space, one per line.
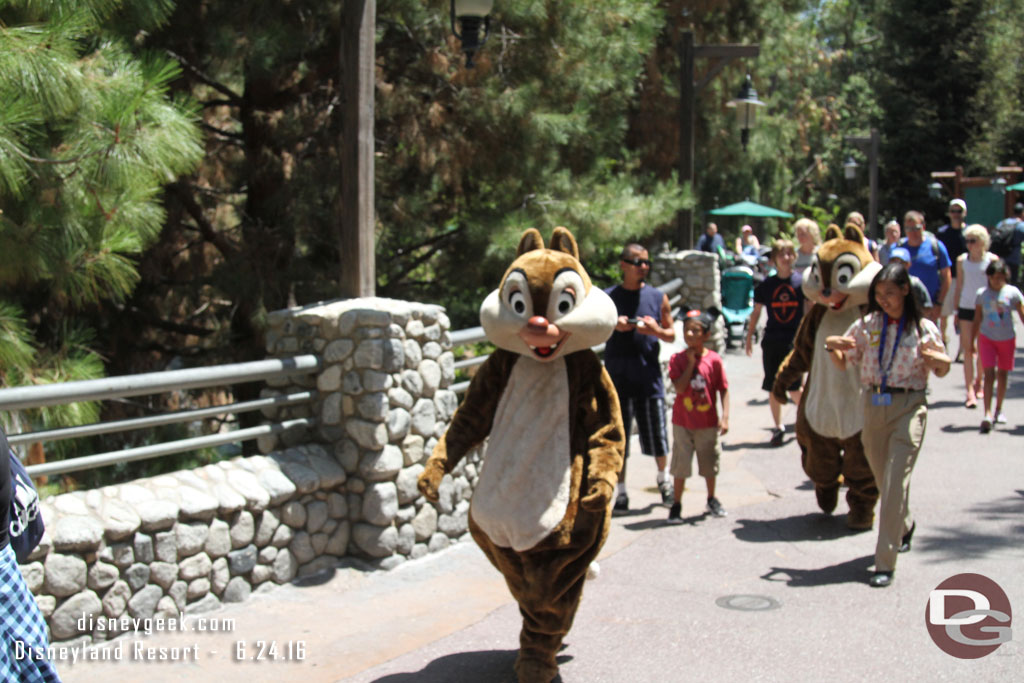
776, 591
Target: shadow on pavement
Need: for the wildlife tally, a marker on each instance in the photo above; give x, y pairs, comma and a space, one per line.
945, 404
813, 526
762, 445
851, 571
951, 543
485, 665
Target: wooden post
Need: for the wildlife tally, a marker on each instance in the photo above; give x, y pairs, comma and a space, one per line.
356, 239
687, 109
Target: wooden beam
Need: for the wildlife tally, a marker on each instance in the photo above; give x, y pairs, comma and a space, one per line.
356, 238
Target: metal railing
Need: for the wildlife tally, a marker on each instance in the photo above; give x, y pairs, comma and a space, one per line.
22, 398
473, 335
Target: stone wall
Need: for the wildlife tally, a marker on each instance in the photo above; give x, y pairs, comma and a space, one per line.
701, 284
192, 540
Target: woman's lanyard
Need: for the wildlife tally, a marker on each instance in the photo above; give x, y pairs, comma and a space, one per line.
883, 371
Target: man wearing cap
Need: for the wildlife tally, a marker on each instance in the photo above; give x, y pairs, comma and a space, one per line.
929, 261
952, 235
901, 255
1013, 258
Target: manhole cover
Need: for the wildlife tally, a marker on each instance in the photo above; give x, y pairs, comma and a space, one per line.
748, 603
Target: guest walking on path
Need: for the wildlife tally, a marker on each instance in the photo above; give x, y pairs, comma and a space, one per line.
896, 348
970, 279
782, 296
631, 358
997, 342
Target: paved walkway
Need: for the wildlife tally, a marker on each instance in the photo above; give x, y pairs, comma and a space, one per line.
663, 608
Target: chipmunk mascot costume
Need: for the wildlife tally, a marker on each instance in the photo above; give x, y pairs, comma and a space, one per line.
831, 414
542, 507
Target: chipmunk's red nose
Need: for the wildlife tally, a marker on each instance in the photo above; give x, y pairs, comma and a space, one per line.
538, 324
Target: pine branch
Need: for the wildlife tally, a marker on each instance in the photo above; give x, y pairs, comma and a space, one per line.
232, 137
234, 98
226, 247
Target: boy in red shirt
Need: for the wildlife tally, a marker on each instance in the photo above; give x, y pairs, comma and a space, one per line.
698, 376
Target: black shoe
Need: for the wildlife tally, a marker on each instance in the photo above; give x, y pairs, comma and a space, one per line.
675, 514
880, 579
667, 494
715, 508
778, 436
621, 504
905, 541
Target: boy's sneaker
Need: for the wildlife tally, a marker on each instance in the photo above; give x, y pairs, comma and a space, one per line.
667, 494
621, 504
715, 508
1000, 419
778, 436
986, 425
675, 514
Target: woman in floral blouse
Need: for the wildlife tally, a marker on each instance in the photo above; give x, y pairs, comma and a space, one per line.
895, 348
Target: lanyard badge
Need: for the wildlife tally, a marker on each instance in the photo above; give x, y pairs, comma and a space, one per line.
881, 397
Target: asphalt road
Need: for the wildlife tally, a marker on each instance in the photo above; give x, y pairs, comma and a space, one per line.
775, 591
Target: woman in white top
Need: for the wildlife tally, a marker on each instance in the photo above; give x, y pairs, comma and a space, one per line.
808, 237
970, 277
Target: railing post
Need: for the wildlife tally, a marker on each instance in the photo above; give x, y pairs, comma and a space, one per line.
383, 400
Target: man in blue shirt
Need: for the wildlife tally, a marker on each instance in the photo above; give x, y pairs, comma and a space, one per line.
711, 241
929, 261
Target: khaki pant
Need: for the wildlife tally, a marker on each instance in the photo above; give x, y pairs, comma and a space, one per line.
892, 438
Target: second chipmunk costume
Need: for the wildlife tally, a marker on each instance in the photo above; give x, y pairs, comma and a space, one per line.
542, 506
831, 414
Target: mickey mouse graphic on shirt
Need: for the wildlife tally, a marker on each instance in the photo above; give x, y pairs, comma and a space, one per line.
698, 391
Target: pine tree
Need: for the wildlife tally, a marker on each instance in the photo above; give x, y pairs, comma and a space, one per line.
88, 136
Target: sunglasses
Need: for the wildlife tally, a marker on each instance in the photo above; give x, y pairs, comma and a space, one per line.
638, 262
970, 240
956, 210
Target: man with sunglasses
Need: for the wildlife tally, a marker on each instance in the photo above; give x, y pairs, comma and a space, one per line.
952, 235
632, 359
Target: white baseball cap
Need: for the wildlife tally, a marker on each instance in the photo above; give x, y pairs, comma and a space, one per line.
959, 202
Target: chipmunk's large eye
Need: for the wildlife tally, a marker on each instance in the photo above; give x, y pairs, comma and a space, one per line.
567, 293
516, 294
517, 302
566, 301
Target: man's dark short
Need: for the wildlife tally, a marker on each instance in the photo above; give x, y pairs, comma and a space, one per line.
772, 355
650, 423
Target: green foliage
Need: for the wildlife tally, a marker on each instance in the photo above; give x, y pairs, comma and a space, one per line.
88, 135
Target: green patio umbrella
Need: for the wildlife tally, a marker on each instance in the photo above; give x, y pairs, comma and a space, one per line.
1019, 187
751, 209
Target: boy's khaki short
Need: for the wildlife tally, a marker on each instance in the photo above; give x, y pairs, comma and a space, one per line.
685, 442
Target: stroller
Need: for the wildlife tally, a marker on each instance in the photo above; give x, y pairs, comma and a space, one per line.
737, 302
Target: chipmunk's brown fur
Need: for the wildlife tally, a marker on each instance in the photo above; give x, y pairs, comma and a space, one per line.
542, 506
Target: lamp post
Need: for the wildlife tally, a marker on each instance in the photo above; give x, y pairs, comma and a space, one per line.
471, 16
871, 143
689, 89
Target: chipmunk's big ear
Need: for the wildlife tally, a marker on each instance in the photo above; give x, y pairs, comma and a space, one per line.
530, 240
562, 240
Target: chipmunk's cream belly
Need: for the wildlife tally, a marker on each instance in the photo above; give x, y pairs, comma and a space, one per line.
523, 491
